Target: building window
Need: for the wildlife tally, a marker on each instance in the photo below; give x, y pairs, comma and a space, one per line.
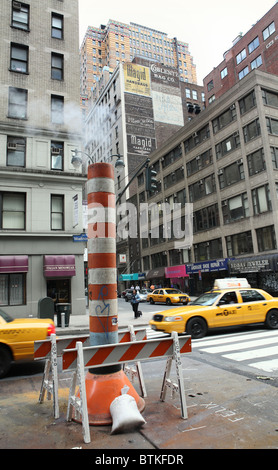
227, 145
252, 130
241, 56
12, 207
224, 119
261, 199
210, 85
201, 161
57, 26
17, 103
224, 73
57, 155
206, 218
57, 212
253, 45
202, 188
235, 208
239, 244
20, 15
266, 238
211, 249
256, 63
188, 93
274, 157
270, 98
256, 162
268, 31
57, 109
231, 174
243, 73
248, 102
16, 147
13, 289
19, 58
272, 126
57, 66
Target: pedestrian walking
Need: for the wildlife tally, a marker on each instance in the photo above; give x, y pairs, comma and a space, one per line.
135, 299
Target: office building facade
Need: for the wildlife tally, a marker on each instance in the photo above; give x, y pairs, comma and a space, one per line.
225, 165
40, 191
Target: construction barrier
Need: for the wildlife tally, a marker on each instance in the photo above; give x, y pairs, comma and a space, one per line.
81, 358
52, 348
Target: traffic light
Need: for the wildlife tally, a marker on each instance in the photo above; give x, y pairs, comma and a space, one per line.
151, 183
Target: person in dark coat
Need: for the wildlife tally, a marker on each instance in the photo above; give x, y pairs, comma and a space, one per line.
135, 299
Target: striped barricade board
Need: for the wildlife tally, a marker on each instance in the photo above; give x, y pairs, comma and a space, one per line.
120, 353
42, 349
52, 348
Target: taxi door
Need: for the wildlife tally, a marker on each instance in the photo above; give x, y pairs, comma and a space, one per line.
229, 310
255, 306
160, 297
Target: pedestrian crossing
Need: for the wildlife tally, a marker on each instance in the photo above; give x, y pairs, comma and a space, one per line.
257, 349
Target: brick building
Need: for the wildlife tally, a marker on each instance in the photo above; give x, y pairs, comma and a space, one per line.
258, 48
115, 43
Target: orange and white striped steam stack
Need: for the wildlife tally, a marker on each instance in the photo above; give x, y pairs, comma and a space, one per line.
103, 384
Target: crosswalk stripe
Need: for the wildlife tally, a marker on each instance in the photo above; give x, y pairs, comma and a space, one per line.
267, 366
241, 345
249, 347
253, 354
232, 339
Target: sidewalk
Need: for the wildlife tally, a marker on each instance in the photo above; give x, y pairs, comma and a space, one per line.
80, 323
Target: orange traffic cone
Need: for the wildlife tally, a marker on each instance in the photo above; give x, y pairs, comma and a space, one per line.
101, 390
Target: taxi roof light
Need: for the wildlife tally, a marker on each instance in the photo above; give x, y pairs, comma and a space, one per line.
231, 282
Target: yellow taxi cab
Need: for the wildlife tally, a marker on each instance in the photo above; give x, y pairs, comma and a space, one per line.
231, 302
17, 338
168, 296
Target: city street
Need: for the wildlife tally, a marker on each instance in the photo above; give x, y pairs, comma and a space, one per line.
230, 380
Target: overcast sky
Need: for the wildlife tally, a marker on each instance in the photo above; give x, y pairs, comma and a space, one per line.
209, 27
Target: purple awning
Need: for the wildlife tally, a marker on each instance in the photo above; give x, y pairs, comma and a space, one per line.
14, 264
59, 265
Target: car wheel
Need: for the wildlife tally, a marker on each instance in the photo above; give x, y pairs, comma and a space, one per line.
271, 320
151, 301
5, 361
196, 327
185, 303
168, 302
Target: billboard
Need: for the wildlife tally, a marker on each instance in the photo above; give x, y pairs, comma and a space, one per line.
137, 79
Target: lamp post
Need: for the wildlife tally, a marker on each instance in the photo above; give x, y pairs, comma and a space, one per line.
103, 384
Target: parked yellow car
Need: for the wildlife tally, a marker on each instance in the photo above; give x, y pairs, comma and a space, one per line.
236, 304
168, 296
17, 338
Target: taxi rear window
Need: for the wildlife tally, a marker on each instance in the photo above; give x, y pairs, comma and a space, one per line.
251, 296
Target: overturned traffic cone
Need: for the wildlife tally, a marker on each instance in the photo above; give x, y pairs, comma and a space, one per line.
103, 384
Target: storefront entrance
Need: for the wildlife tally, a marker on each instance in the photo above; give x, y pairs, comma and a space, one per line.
59, 290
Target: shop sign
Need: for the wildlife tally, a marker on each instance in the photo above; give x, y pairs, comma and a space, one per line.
207, 266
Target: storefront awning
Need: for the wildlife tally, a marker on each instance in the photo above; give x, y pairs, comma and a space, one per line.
132, 277
175, 272
59, 266
156, 273
14, 264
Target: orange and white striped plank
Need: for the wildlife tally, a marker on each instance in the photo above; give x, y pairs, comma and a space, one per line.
126, 352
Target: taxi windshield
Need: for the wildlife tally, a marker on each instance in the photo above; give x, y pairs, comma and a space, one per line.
206, 299
172, 291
